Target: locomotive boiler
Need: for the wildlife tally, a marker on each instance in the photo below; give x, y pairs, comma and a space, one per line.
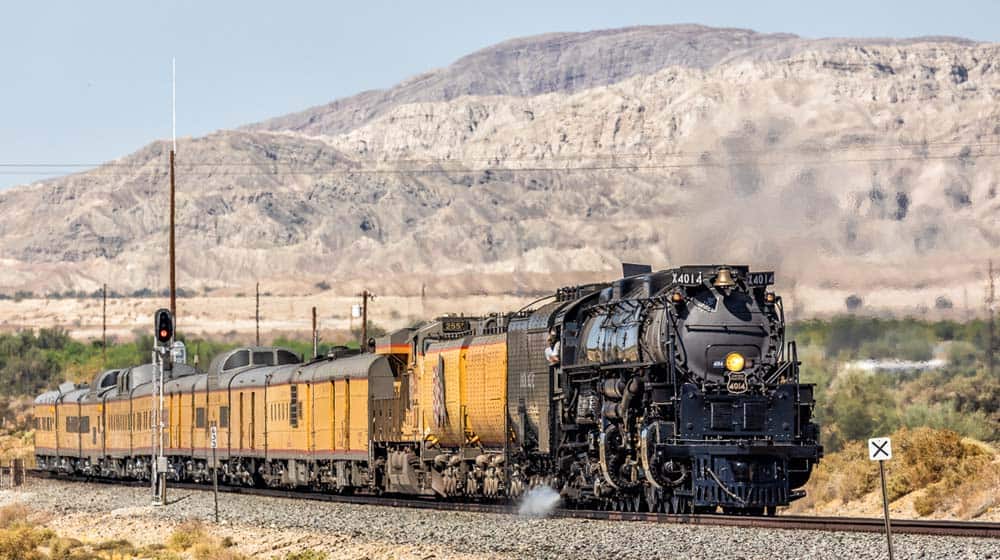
680, 386
671, 391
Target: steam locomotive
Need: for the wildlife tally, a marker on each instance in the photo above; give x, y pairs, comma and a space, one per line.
671, 391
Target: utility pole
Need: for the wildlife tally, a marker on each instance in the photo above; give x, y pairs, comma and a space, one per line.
991, 322
173, 256
258, 313
365, 296
173, 152
104, 326
315, 336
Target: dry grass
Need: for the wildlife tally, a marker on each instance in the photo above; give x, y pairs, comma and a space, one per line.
967, 493
14, 515
186, 535
953, 476
193, 537
307, 555
20, 539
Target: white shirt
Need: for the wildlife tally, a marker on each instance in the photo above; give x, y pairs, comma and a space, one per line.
552, 353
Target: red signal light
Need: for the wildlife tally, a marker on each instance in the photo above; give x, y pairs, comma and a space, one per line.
163, 326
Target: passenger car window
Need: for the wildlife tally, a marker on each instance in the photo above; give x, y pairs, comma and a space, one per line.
238, 360
263, 358
285, 357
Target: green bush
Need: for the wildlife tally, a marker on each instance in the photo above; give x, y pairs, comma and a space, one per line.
945, 416
860, 406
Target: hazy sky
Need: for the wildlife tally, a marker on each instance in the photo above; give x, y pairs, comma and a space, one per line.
84, 82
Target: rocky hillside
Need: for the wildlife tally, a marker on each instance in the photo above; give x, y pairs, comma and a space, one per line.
848, 165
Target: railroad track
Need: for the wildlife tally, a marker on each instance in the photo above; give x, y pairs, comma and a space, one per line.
791, 522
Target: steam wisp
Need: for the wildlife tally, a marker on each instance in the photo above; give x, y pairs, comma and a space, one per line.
539, 502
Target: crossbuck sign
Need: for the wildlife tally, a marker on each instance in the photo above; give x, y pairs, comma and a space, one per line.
879, 449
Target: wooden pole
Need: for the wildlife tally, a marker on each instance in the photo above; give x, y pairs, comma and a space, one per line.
173, 257
104, 326
258, 314
364, 321
991, 322
315, 336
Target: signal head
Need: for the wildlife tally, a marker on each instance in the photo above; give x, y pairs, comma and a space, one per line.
163, 323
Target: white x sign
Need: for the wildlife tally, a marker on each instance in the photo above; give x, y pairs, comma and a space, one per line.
879, 449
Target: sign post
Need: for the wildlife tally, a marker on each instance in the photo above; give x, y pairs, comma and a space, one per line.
214, 441
880, 450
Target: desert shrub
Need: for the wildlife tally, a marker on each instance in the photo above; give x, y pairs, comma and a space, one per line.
853, 337
120, 547
61, 548
946, 416
214, 551
962, 354
957, 473
155, 552
857, 407
186, 535
841, 477
307, 555
926, 457
969, 490
14, 515
19, 538
192, 536
21, 542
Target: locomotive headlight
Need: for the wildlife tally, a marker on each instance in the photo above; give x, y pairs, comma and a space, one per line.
735, 361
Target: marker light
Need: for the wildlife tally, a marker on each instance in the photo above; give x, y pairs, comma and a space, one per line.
735, 361
769, 297
676, 297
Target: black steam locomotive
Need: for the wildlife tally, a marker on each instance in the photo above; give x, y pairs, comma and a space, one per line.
671, 391
674, 391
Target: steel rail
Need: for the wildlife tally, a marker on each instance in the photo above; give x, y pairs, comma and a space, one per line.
938, 527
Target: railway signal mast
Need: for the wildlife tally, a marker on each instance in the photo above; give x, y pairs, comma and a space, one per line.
163, 322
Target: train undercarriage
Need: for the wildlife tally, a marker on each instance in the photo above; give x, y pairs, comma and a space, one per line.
689, 485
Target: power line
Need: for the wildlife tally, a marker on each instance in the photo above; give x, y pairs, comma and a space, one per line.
554, 157
261, 168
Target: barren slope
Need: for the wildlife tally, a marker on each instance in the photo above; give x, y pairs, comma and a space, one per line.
850, 166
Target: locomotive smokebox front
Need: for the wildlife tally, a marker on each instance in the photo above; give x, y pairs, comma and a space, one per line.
721, 331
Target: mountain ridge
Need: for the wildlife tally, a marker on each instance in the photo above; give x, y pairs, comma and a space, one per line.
876, 153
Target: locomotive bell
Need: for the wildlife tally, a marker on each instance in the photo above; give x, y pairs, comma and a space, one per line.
724, 279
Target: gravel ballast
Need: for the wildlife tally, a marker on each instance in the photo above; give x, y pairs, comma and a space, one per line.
269, 527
